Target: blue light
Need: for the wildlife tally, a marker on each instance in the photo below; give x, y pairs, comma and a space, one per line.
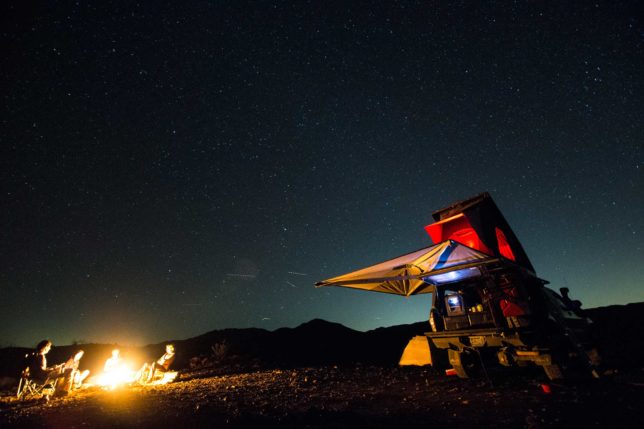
453, 276
454, 301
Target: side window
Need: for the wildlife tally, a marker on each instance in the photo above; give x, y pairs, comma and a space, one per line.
454, 303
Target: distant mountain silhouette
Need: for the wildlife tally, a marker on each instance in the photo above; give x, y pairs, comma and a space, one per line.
319, 342
316, 342
618, 333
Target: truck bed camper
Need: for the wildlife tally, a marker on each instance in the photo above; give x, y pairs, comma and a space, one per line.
488, 305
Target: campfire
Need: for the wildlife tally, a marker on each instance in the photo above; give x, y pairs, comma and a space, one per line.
116, 377
116, 372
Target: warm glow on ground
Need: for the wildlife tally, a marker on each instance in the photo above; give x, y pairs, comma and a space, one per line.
123, 374
167, 378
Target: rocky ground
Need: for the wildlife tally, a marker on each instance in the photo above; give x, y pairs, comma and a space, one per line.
340, 378
344, 397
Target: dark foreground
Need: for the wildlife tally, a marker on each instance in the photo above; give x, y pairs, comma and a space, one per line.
344, 397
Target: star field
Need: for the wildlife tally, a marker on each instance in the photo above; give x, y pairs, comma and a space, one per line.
168, 169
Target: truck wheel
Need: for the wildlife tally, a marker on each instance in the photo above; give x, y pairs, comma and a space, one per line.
466, 363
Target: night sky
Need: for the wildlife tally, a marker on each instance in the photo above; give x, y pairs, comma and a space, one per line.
170, 168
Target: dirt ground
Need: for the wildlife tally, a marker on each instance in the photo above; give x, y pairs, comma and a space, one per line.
343, 398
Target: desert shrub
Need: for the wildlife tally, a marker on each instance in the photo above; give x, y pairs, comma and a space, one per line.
220, 351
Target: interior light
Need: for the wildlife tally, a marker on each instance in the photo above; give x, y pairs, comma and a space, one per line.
453, 276
454, 301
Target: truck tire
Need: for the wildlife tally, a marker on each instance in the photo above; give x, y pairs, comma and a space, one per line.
466, 363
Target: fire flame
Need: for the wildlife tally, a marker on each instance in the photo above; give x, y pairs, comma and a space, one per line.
118, 372
116, 376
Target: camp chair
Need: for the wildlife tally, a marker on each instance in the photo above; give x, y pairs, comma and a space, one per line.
164, 377
160, 377
30, 388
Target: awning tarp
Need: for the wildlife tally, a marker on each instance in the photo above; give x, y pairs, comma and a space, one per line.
412, 273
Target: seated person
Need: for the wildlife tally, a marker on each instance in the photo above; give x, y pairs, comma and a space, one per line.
113, 362
42, 374
72, 364
38, 369
162, 364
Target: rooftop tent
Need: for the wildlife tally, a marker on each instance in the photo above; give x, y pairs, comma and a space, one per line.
478, 223
416, 272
